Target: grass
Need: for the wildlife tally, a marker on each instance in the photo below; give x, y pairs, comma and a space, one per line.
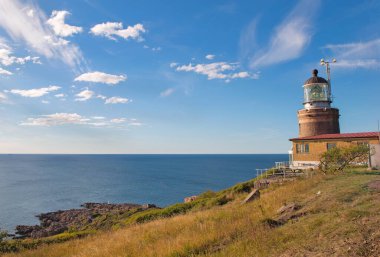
343, 220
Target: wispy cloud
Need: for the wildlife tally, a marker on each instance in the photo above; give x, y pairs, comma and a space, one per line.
5, 72
101, 77
356, 55
290, 38
60, 95
60, 119
118, 120
112, 29
27, 23
167, 92
57, 22
116, 100
56, 119
217, 70
36, 92
3, 97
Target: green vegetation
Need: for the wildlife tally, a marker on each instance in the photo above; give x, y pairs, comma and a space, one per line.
341, 213
337, 160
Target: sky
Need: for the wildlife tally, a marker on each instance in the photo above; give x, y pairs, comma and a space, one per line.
157, 77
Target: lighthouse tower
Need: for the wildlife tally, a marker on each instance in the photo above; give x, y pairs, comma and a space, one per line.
318, 117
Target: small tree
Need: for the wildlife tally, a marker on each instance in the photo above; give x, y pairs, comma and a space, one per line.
338, 159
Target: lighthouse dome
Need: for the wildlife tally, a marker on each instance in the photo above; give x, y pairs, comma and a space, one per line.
315, 79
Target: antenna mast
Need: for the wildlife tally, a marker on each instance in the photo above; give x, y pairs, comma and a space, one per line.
327, 64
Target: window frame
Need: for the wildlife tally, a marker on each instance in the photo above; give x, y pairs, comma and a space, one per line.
302, 148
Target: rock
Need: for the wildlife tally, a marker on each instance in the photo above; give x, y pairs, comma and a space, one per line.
53, 223
148, 205
190, 198
255, 194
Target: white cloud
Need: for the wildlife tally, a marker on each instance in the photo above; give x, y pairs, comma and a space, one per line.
156, 49
290, 38
6, 57
5, 72
242, 74
21, 26
101, 97
173, 64
3, 97
56, 119
167, 92
112, 29
116, 100
98, 117
37, 92
118, 120
101, 77
135, 123
217, 70
57, 22
45, 102
356, 55
60, 95
56, 41
210, 57
84, 95
30, 13
211, 70
59, 119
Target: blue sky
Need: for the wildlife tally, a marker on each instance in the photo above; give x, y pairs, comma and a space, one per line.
178, 76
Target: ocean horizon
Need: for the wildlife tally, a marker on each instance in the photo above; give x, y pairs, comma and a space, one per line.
31, 184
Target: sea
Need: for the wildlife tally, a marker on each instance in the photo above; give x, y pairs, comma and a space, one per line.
34, 184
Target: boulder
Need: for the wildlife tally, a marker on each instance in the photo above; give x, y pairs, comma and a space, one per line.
190, 198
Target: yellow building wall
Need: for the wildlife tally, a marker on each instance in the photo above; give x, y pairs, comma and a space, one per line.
317, 148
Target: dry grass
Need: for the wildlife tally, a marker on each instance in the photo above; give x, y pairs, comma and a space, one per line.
343, 220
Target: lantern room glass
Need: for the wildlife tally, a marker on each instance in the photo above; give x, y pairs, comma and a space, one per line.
316, 93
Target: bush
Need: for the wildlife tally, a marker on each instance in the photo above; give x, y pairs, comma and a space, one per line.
3, 235
339, 159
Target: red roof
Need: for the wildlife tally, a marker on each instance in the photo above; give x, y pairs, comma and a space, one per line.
339, 136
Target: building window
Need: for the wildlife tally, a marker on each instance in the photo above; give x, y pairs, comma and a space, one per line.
363, 143
331, 146
302, 148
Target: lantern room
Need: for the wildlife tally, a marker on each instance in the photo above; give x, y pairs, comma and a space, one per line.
317, 92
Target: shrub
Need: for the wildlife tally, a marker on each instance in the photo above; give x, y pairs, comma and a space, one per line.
338, 159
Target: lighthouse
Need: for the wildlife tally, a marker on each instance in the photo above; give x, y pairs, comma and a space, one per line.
319, 129
318, 117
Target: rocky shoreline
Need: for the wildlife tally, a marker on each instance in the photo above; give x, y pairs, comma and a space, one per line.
53, 223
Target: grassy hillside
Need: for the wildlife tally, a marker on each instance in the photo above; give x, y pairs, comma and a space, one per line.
335, 216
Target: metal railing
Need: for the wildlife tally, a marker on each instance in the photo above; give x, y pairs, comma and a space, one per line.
282, 165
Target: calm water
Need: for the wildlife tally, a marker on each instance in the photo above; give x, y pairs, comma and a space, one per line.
31, 184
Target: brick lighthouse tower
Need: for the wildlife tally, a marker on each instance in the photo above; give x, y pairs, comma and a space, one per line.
318, 117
